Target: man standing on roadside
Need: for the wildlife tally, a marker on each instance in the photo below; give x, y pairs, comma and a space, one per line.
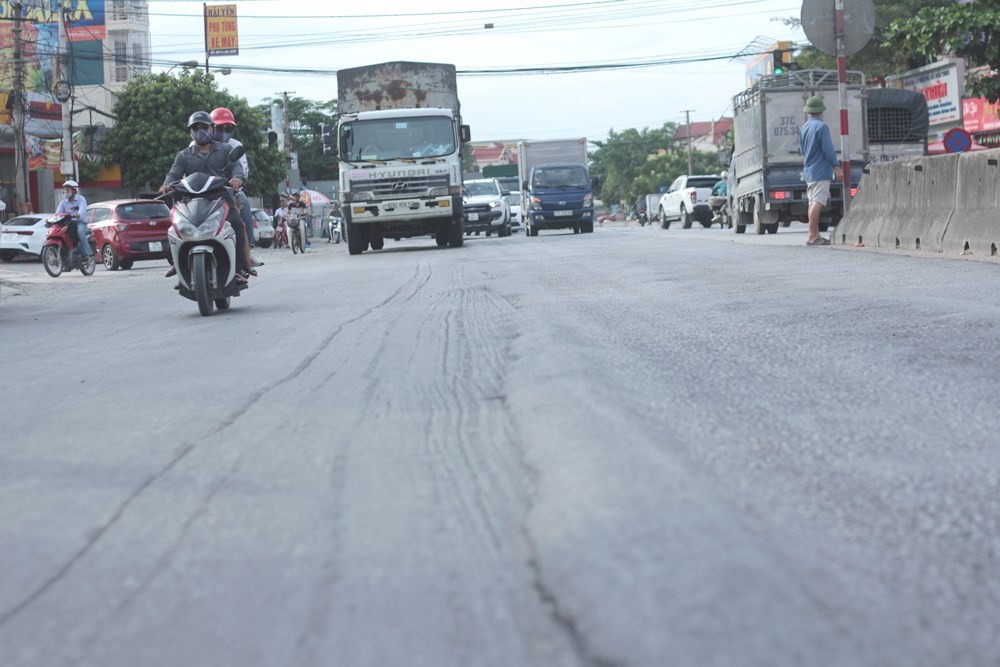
820, 164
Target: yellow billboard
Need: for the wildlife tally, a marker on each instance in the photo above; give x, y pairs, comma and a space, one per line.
221, 34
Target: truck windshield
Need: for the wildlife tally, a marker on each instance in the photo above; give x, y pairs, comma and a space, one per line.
560, 177
396, 138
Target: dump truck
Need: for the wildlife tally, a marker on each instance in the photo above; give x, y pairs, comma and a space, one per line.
766, 166
400, 140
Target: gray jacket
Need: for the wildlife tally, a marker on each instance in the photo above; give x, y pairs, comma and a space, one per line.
192, 161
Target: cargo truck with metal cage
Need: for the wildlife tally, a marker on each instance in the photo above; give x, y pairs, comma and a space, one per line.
400, 139
766, 165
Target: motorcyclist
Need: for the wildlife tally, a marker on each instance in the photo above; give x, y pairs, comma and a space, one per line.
225, 128
212, 157
76, 206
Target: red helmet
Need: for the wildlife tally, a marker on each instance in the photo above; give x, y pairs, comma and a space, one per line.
223, 116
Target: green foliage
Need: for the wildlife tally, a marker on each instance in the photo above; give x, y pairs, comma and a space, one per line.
634, 163
304, 118
883, 55
152, 112
971, 31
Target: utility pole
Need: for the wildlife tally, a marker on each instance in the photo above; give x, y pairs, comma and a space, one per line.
287, 137
20, 159
64, 92
687, 113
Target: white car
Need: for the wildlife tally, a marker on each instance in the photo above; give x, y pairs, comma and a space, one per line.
24, 234
485, 207
263, 228
514, 201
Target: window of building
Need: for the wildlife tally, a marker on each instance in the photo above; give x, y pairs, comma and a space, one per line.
121, 61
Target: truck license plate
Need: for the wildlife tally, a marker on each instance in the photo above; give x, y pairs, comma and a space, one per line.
473, 217
155, 246
563, 213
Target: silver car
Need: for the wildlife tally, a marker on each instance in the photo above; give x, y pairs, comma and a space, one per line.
263, 228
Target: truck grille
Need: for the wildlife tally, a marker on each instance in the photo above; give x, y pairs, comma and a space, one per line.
401, 188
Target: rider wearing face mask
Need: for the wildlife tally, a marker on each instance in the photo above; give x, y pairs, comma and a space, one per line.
205, 155
225, 128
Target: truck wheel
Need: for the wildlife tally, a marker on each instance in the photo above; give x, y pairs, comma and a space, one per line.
377, 244
771, 228
588, 228
532, 230
685, 218
357, 238
456, 233
441, 236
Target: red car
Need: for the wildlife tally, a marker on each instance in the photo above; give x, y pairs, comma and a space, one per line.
127, 230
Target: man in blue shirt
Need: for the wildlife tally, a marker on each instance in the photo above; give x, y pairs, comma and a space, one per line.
76, 206
820, 164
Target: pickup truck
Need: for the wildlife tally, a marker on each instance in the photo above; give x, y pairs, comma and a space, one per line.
687, 200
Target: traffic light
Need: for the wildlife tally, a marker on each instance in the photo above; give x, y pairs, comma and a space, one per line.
328, 143
778, 62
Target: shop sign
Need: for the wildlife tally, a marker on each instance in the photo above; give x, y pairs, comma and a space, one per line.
979, 115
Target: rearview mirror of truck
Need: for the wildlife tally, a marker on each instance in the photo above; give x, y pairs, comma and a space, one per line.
723, 157
595, 182
465, 132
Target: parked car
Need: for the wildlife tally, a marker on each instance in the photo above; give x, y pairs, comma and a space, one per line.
514, 201
263, 228
127, 230
24, 234
485, 207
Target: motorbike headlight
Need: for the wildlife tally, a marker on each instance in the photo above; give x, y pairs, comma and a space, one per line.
189, 231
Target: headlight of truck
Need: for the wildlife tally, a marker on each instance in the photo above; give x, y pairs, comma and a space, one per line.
439, 192
588, 201
360, 196
536, 204
494, 203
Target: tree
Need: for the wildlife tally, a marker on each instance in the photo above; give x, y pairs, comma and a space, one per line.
152, 112
304, 119
634, 163
971, 31
883, 55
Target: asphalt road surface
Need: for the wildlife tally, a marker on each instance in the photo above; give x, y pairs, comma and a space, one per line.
633, 447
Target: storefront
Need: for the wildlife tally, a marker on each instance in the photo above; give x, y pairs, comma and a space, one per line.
981, 119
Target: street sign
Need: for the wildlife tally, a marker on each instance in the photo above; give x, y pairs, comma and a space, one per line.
819, 21
957, 140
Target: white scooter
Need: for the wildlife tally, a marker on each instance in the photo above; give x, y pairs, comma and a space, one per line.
202, 242
334, 228
296, 233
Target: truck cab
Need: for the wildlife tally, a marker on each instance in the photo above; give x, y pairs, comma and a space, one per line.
559, 196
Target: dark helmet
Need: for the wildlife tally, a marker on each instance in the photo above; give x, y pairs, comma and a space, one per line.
200, 117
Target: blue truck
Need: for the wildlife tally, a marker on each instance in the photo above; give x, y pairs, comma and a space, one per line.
557, 191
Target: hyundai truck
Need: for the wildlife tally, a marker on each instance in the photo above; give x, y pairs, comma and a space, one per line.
400, 140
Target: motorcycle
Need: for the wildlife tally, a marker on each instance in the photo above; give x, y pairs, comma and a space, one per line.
296, 233
202, 242
334, 228
643, 219
61, 252
280, 234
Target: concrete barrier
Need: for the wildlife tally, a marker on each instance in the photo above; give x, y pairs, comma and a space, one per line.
924, 200
869, 208
944, 203
974, 228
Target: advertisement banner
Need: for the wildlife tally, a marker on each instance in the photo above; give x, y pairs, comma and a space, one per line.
47, 153
979, 116
221, 33
943, 84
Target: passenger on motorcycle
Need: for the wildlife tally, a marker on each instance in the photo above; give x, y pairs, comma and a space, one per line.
212, 157
76, 206
225, 128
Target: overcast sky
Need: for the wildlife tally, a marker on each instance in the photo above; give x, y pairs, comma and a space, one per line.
324, 35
